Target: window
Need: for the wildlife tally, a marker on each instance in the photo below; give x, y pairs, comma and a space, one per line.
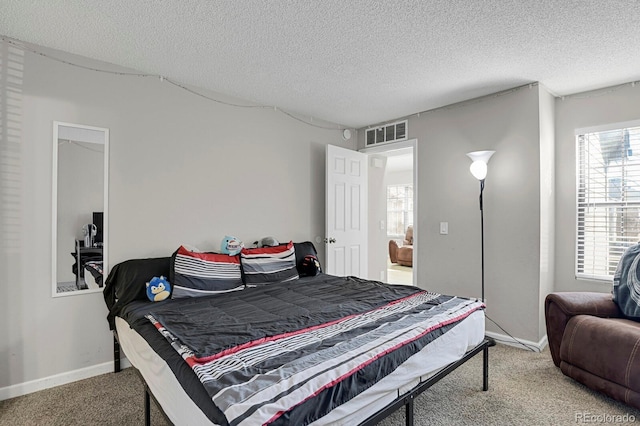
399, 209
608, 199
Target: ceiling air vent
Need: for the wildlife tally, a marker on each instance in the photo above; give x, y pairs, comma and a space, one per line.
388, 133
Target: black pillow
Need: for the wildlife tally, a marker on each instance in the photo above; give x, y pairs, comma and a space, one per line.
626, 283
127, 282
304, 249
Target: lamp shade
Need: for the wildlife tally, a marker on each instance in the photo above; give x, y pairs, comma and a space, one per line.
479, 160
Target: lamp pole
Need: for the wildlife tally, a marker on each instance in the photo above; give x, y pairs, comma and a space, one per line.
482, 234
478, 169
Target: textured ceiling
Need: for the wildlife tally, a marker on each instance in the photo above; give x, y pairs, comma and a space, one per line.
351, 62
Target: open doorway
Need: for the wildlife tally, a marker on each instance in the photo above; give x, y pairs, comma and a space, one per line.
392, 211
398, 183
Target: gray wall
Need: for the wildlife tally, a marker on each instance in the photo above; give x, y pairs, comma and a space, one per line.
400, 177
182, 170
378, 241
451, 264
547, 202
607, 106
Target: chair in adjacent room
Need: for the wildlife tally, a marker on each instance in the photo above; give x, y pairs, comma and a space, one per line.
402, 255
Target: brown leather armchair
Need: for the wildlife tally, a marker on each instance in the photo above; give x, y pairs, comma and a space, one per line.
592, 342
402, 255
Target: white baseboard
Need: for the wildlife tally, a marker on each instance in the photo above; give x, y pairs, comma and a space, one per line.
520, 343
59, 379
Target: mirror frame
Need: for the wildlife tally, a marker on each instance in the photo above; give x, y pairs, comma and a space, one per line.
54, 212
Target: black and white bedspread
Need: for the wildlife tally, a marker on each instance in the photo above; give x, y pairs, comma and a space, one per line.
292, 352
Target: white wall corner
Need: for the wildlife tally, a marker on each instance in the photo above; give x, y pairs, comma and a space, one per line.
519, 343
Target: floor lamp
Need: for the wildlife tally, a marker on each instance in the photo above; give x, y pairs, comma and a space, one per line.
478, 169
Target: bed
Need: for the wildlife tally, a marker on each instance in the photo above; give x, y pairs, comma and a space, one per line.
312, 350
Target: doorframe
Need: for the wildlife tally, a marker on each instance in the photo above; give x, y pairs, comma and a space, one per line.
393, 146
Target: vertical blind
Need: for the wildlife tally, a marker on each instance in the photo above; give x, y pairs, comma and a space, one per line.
12, 213
608, 203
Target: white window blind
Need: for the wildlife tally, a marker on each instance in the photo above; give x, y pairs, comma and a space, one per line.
399, 209
608, 199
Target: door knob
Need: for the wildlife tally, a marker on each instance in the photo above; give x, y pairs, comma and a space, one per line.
329, 240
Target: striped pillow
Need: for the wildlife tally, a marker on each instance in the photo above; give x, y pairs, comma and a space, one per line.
203, 274
267, 265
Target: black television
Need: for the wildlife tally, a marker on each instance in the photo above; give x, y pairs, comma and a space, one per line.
98, 222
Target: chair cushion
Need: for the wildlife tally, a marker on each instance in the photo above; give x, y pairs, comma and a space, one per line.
606, 347
405, 256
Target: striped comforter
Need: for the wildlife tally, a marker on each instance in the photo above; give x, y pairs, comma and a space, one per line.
289, 353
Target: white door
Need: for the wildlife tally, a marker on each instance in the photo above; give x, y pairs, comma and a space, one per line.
346, 215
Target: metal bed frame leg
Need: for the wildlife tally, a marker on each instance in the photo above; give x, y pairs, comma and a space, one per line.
485, 364
148, 396
485, 369
116, 354
147, 407
407, 399
409, 412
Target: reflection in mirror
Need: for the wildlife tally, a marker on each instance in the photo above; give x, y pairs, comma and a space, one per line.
80, 182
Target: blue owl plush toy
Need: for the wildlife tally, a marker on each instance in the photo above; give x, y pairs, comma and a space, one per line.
158, 289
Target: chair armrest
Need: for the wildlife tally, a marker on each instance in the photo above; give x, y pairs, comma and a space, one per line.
585, 303
560, 307
393, 251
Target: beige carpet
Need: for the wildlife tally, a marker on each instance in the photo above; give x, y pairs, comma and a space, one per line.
398, 274
525, 388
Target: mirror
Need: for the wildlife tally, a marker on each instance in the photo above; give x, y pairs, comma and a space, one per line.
80, 213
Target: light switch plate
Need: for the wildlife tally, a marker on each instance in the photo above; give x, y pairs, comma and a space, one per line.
444, 228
